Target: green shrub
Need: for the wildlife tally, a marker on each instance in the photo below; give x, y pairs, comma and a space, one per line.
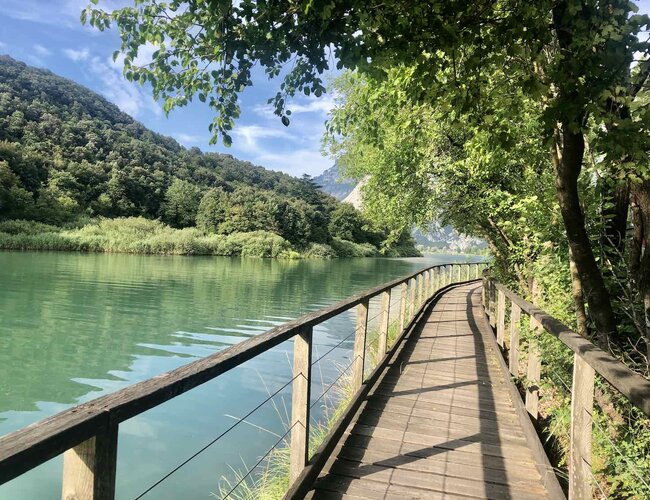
26, 227
345, 248
319, 251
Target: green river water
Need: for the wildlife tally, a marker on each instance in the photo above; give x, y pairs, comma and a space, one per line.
77, 326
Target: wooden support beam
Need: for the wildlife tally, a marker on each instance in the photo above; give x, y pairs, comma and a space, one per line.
411, 298
533, 372
402, 306
582, 404
300, 397
513, 354
501, 318
359, 353
382, 343
89, 468
493, 316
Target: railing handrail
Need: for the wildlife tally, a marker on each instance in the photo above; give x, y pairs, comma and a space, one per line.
626, 381
26, 448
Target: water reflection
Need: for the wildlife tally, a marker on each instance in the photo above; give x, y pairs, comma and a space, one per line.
76, 326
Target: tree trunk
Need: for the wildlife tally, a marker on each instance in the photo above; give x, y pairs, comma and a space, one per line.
568, 165
639, 256
578, 299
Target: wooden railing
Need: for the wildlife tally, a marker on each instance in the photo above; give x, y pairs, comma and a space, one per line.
87, 434
587, 361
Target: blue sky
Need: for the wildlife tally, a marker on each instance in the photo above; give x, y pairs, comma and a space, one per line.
48, 34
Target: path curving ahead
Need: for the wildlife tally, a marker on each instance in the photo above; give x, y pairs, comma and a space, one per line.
441, 422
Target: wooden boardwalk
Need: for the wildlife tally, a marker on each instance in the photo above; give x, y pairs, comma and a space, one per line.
441, 422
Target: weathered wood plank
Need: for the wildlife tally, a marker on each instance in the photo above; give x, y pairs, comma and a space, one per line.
533, 372
383, 324
359, 350
89, 468
402, 306
439, 421
300, 398
582, 403
501, 318
513, 354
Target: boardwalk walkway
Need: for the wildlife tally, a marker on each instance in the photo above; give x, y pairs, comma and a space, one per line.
441, 422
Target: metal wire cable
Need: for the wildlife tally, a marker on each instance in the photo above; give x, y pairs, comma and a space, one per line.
335, 347
333, 383
560, 379
184, 462
260, 460
595, 480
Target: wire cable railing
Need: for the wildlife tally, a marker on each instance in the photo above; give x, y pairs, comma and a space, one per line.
213, 441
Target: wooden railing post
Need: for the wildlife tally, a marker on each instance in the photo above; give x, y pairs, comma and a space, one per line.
501, 317
513, 355
582, 404
359, 352
382, 343
300, 397
412, 298
427, 285
420, 289
89, 468
436, 279
469, 270
485, 295
402, 306
533, 372
492, 291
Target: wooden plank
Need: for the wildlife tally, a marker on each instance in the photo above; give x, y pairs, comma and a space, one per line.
300, 399
383, 325
427, 430
582, 403
513, 354
89, 468
402, 306
533, 373
501, 318
412, 299
359, 351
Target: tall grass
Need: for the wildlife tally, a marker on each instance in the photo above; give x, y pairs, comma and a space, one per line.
138, 235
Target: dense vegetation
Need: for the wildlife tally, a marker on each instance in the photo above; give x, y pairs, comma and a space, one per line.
524, 123
67, 156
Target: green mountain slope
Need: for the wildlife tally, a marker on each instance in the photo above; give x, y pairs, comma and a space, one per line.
67, 155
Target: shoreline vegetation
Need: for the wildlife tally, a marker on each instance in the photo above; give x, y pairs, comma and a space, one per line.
138, 235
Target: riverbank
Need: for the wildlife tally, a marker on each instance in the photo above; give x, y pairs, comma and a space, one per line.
137, 235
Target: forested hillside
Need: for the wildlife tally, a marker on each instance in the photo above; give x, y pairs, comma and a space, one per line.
67, 156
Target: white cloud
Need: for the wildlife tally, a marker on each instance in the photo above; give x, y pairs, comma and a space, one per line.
3, 45
251, 135
296, 162
127, 96
190, 139
320, 105
41, 51
77, 55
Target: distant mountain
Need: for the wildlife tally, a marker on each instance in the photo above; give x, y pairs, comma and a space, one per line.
330, 182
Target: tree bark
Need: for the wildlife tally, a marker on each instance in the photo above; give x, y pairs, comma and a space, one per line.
568, 164
578, 299
639, 256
